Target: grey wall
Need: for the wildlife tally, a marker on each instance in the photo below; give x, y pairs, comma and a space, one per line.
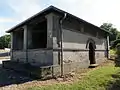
19, 56
75, 36
35, 56
40, 57
76, 40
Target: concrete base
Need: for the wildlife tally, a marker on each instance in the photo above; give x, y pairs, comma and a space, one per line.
44, 71
93, 65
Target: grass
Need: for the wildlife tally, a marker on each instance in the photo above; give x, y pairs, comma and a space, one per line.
98, 79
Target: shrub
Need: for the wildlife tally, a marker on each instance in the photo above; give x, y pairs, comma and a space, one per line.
114, 43
118, 49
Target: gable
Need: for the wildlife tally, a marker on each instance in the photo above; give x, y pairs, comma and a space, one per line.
55, 10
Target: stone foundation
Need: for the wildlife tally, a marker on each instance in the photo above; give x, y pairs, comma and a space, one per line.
72, 60
77, 60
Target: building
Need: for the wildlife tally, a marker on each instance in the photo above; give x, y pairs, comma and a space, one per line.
58, 41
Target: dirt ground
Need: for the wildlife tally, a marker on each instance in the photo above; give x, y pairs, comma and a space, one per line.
11, 80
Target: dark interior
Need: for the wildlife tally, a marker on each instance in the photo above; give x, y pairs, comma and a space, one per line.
39, 35
91, 54
18, 40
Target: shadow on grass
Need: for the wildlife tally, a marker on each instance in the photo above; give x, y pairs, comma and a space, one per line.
9, 77
115, 84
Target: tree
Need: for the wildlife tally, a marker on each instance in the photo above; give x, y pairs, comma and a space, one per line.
106, 26
5, 41
118, 35
109, 27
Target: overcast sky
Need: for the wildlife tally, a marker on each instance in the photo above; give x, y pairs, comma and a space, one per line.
96, 12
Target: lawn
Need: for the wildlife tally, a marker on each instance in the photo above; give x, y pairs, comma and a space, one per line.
101, 78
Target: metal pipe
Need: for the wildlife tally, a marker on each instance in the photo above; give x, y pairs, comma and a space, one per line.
61, 44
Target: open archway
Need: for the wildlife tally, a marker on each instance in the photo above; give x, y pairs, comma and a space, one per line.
91, 53
91, 46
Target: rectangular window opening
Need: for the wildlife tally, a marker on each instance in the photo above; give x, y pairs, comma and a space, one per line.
18, 40
39, 35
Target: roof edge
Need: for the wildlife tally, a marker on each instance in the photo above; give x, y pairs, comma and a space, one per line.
55, 9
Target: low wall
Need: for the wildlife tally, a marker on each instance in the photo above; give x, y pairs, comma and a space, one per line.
19, 56
37, 56
40, 57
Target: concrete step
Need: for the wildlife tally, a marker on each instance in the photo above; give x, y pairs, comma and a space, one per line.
93, 65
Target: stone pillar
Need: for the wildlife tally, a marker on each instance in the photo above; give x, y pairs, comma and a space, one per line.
56, 39
11, 40
25, 42
12, 43
29, 37
25, 38
53, 34
53, 38
56, 32
50, 30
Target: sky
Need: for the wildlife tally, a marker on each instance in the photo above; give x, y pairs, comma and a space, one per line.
96, 12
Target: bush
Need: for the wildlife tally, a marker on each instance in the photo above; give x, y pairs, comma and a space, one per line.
114, 43
118, 49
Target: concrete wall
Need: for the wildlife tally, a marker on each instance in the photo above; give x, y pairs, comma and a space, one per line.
38, 57
76, 40
19, 56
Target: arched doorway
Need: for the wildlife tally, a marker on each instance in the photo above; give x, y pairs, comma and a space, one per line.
91, 53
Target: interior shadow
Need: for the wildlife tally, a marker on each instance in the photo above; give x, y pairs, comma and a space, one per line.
91, 53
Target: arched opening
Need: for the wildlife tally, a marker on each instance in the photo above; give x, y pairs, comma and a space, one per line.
91, 53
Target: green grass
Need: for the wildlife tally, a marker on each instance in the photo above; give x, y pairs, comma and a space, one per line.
98, 79
112, 51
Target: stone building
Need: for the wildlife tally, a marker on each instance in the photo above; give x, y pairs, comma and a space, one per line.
59, 40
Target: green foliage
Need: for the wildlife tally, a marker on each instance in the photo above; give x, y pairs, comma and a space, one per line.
5, 41
106, 26
118, 49
109, 27
112, 51
118, 36
118, 45
114, 43
98, 79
